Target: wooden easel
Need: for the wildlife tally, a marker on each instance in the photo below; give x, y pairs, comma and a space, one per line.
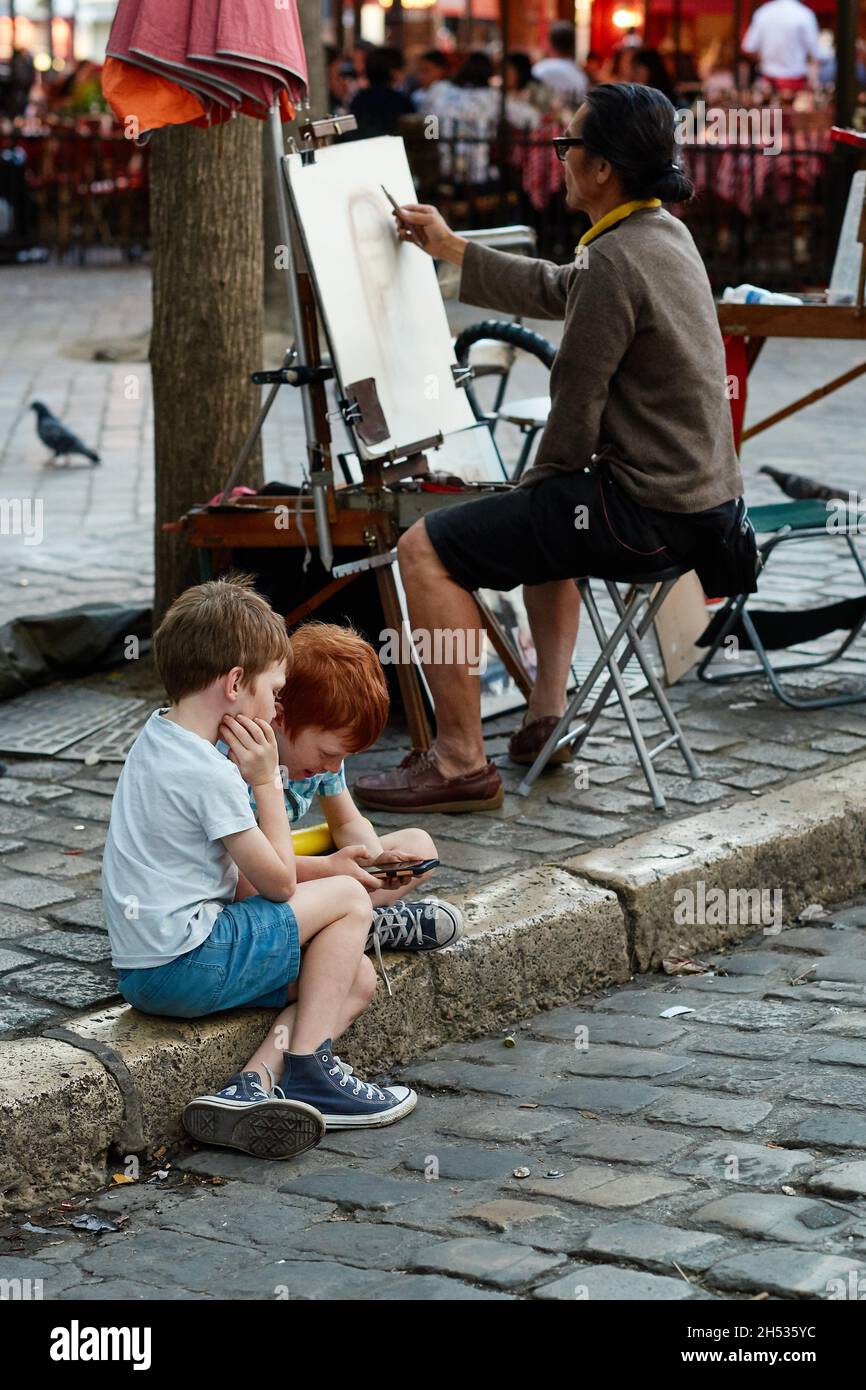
758, 322
370, 515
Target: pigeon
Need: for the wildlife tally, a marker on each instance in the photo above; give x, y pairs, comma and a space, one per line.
58, 438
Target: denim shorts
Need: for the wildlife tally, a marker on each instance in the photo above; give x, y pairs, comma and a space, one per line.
250, 958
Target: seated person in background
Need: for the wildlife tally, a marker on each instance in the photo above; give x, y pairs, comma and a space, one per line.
378, 106
558, 70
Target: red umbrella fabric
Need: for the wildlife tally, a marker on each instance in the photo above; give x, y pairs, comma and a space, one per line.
218, 56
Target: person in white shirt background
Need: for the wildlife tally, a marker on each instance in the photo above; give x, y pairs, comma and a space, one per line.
783, 38
559, 71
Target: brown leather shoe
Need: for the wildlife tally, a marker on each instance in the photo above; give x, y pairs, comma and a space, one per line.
418, 785
525, 745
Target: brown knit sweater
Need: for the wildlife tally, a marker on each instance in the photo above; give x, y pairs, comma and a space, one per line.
639, 377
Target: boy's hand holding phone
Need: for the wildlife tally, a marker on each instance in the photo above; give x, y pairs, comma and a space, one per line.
253, 748
346, 861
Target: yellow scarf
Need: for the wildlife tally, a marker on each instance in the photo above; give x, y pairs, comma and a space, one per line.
615, 215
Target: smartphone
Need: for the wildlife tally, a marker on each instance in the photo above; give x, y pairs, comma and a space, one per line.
389, 871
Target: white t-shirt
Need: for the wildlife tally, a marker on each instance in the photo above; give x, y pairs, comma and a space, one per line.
784, 35
563, 76
166, 874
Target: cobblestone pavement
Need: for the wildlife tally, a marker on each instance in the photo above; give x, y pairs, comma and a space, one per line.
611, 1153
54, 955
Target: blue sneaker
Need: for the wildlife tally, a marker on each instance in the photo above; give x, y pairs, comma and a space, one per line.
346, 1101
243, 1115
425, 925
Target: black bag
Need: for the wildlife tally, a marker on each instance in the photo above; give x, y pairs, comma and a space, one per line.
728, 561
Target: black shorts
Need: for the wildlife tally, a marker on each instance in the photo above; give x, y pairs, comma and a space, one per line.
562, 527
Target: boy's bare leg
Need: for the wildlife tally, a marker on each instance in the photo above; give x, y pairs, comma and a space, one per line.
279, 1040
334, 916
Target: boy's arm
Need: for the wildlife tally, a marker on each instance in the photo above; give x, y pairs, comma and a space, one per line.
347, 825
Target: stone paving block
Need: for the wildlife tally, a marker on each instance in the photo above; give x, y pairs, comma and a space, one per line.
762, 1081
765, 1216
602, 1097
441, 1207
684, 789
605, 1187
846, 969
838, 743
770, 1047
850, 1023
845, 1053
458, 1076
830, 1088
14, 924
624, 1143
479, 858
841, 1180
719, 985
610, 1283
8, 846
785, 1273
295, 1280
510, 1124
652, 1003
22, 890
19, 1015
87, 912
507, 1213
87, 806
581, 823
9, 960
686, 1107
814, 939
779, 755
755, 1165
162, 1258
124, 1290
603, 1059
629, 1032
66, 832
63, 983
76, 945
607, 800
826, 1129
53, 863
55, 1278
14, 791
657, 1247
271, 1222
467, 1162
749, 778
485, 1261
767, 963
756, 1015
355, 1190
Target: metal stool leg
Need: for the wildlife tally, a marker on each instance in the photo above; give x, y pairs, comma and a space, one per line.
559, 736
677, 735
634, 729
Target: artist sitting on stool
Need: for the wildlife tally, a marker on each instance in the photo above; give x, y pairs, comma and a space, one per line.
636, 469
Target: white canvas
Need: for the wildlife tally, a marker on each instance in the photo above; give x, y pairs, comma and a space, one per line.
379, 297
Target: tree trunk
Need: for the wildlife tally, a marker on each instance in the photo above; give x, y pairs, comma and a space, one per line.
206, 240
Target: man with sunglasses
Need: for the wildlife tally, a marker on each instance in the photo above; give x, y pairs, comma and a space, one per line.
636, 469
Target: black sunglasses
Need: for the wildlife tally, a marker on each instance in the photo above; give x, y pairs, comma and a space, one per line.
563, 143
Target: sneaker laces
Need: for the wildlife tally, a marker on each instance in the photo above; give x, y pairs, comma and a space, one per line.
391, 922
358, 1085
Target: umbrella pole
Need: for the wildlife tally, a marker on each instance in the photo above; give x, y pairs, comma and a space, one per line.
319, 478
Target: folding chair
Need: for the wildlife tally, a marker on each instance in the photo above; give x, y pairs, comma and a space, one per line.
644, 598
781, 523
